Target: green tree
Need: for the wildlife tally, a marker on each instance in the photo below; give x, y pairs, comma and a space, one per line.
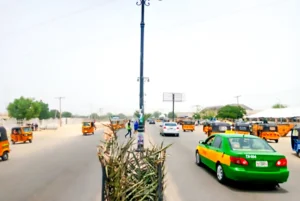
109, 114
156, 114
94, 116
54, 114
278, 106
122, 116
66, 114
208, 114
231, 112
136, 114
170, 115
24, 108
197, 115
45, 113
147, 116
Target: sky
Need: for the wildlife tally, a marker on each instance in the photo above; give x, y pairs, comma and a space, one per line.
88, 51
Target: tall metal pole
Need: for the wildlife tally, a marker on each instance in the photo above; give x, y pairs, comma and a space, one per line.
141, 128
60, 121
237, 99
173, 103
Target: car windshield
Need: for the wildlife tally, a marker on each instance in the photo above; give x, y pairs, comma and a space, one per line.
249, 144
27, 129
86, 124
170, 124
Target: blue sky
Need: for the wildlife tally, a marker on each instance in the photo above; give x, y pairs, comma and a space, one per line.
88, 51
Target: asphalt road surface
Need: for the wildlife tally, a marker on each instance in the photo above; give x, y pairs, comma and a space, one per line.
53, 168
64, 167
195, 183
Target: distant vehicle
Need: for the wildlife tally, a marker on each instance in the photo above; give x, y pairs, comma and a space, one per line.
151, 121
242, 158
295, 140
169, 128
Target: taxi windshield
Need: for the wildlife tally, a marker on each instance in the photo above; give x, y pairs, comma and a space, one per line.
249, 144
86, 124
27, 129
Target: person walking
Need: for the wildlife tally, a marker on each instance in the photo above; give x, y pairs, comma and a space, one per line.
128, 129
136, 126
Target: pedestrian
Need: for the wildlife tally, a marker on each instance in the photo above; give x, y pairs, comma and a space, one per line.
128, 129
36, 126
136, 126
32, 127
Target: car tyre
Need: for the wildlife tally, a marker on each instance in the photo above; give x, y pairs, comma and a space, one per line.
198, 159
5, 156
177, 135
276, 141
298, 153
220, 174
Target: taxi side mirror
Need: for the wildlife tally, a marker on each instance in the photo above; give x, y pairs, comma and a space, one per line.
201, 142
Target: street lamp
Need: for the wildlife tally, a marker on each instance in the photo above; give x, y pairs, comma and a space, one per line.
141, 78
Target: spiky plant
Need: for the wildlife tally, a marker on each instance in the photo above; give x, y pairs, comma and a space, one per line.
130, 175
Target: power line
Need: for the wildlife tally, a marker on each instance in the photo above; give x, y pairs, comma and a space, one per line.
54, 19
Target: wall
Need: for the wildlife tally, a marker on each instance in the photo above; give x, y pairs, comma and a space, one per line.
49, 123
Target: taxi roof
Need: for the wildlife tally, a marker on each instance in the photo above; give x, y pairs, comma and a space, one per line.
235, 135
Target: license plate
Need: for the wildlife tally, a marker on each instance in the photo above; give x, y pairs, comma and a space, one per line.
261, 163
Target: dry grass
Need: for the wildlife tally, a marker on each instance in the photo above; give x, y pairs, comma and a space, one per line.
131, 175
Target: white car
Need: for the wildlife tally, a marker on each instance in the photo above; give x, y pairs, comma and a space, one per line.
169, 128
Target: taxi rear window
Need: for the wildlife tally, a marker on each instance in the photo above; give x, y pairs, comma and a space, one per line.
27, 129
170, 124
249, 144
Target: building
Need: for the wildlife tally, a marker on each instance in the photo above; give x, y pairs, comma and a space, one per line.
184, 114
4, 116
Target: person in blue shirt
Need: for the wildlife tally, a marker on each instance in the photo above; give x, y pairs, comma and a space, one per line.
136, 126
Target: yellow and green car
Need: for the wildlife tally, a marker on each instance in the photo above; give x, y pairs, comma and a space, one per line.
242, 158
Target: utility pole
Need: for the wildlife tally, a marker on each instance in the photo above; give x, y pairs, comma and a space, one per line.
59, 98
237, 99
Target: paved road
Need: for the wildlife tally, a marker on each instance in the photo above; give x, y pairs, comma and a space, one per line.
194, 183
53, 168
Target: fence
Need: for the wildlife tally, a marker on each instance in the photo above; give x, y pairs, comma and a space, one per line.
43, 124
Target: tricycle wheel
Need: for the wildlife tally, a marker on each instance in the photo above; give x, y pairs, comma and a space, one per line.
5, 156
30, 141
183, 130
298, 153
93, 133
13, 142
192, 130
276, 141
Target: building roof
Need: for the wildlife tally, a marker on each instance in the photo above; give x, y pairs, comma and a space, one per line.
217, 107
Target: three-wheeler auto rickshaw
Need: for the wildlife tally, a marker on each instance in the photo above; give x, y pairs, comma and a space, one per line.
284, 128
242, 128
188, 125
267, 131
295, 140
21, 134
4, 144
88, 127
216, 127
114, 124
